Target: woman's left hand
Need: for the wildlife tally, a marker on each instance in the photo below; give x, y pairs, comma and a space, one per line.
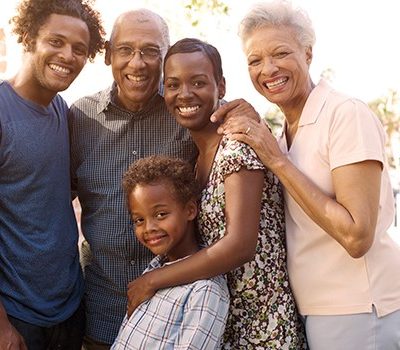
139, 291
258, 136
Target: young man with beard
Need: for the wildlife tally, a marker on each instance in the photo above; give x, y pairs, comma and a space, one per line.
41, 281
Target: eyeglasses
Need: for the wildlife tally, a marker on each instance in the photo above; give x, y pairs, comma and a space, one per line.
148, 54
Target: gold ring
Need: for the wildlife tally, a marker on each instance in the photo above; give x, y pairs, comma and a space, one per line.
247, 130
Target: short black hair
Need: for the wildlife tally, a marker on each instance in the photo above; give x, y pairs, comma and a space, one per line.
189, 45
162, 169
32, 14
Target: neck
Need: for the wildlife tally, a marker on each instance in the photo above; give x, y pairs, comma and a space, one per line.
26, 87
206, 138
188, 246
293, 109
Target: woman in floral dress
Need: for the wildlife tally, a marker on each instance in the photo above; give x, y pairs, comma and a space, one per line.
241, 215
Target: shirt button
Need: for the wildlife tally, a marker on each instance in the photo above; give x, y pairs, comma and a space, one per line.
132, 262
134, 153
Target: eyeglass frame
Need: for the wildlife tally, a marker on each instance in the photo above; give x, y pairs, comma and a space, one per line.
129, 56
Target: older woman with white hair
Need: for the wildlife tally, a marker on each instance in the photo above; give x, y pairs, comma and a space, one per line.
330, 158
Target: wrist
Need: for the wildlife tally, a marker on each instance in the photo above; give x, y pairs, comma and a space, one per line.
151, 280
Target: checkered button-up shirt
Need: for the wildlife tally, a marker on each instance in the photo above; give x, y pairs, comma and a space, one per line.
105, 140
190, 316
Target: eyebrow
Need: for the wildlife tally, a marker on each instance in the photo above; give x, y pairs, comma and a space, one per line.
62, 36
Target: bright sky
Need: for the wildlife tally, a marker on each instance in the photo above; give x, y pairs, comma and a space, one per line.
357, 39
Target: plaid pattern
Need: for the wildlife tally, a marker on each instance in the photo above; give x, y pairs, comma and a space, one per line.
105, 140
191, 316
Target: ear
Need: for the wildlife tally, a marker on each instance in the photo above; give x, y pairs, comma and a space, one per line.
192, 210
309, 55
28, 43
107, 56
221, 88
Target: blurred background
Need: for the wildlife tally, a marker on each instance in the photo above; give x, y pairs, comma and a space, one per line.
357, 50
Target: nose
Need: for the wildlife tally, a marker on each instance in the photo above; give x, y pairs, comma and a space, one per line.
66, 52
150, 225
136, 59
269, 67
185, 92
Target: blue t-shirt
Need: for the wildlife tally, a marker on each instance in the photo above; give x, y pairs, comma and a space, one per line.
40, 277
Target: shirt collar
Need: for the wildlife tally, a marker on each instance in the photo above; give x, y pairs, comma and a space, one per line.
107, 97
314, 104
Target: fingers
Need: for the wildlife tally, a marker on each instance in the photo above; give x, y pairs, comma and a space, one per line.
241, 125
220, 113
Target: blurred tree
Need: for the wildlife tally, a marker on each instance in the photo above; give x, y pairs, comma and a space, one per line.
3, 51
328, 74
195, 9
275, 119
387, 108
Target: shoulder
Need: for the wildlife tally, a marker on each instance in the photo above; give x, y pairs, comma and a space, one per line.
215, 286
91, 101
59, 104
235, 155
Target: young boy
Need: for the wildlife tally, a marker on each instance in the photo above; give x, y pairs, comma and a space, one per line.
161, 194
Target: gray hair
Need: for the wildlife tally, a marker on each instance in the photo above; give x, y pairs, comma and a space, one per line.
145, 15
278, 13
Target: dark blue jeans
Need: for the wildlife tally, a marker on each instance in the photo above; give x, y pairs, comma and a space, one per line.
67, 335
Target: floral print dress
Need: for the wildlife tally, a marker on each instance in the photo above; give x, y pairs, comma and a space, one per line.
262, 312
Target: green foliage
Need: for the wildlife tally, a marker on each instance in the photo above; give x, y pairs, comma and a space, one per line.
195, 9
275, 119
387, 109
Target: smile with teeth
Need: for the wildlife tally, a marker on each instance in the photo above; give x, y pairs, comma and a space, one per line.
136, 78
188, 109
59, 69
276, 83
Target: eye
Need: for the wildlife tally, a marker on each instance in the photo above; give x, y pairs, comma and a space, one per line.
150, 52
137, 221
80, 51
171, 85
55, 42
253, 62
124, 51
161, 215
281, 54
199, 83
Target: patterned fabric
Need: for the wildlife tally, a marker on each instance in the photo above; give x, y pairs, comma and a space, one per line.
105, 140
262, 313
190, 316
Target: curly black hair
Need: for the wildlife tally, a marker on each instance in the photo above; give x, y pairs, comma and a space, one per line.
162, 169
32, 14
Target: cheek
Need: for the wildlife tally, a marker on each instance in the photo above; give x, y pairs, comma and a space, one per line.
253, 73
81, 62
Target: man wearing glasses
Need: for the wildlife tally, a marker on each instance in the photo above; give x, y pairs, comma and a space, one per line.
109, 131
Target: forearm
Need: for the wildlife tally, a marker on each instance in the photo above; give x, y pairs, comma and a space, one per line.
349, 226
208, 262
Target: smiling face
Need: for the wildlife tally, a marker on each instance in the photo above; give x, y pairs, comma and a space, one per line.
191, 92
162, 223
279, 66
137, 78
58, 55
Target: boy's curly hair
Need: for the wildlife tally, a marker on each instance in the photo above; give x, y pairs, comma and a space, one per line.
162, 169
32, 14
